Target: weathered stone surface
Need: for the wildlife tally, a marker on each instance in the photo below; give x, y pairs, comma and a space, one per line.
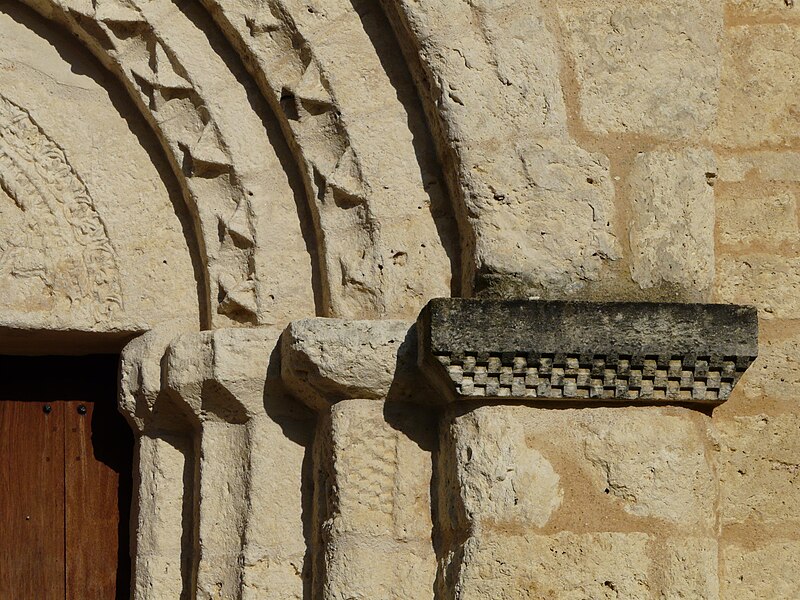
766, 572
161, 556
327, 360
372, 460
775, 374
583, 350
660, 470
649, 463
758, 103
672, 227
748, 216
536, 218
247, 430
376, 486
79, 197
765, 280
554, 210
514, 484
500, 479
374, 568
386, 235
590, 565
766, 165
764, 9
650, 68
233, 163
760, 476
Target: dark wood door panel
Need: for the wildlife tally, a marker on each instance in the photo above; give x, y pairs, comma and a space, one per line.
32, 500
97, 473
65, 480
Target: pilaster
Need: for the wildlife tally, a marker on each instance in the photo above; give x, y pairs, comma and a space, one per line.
372, 457
164, 467
576, 453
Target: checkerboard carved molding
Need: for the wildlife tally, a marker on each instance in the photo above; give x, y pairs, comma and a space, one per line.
585, 351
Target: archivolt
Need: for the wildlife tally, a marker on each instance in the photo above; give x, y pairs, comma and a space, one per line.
381, 220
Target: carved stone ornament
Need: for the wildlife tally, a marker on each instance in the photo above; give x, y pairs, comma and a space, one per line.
54, 213
609, 351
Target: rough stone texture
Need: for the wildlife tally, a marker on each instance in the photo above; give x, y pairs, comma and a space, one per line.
766, 165
327, 360
651, 68
671, 232
169, 166
515, 483
760, 479
767, 572
766, 9
502, 481
372, 463
246, 430
356, 128
165, 464
72, 255
538, 220
775, 374
588, 565
376, 485
758, 103
758, 216
582, 350
766, 280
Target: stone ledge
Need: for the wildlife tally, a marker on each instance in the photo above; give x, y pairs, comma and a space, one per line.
612, 351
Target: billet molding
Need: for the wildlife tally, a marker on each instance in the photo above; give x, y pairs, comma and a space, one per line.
586, 351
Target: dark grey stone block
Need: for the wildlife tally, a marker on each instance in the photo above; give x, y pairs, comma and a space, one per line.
602, 351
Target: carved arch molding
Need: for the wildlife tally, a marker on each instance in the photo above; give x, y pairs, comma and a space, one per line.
312, 186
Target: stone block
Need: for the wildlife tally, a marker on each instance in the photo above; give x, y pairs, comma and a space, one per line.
758, 102
770, 571
381, 478
543, 219
367, 568
575, 566
656, 464
672, 224
760, 473
647, 67
775, 374
327, 360
584, 350
521, 469
773, 10
501, 480
750, 215
765, 165
767, 281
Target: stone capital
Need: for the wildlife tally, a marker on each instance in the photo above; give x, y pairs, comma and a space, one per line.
591, 352
142, 399
222, 374
325, 361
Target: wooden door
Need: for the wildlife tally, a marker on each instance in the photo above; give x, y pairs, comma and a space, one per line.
65, 480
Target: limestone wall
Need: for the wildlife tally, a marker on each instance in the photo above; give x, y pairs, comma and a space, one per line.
215, 171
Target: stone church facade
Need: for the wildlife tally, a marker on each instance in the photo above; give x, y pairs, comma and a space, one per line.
423, 299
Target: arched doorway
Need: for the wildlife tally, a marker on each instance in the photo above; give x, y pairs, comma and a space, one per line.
83, 269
